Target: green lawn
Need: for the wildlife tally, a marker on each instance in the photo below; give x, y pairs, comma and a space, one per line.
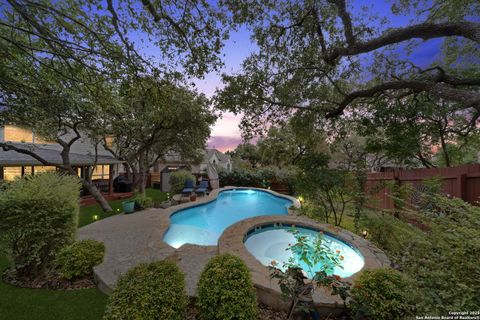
18, 303
92, 213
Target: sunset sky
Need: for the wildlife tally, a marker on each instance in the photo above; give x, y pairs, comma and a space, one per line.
226, 134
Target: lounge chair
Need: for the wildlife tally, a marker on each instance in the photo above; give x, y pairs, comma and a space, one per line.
189, 187
203, 187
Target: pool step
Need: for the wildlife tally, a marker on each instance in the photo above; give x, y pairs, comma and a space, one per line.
191, 259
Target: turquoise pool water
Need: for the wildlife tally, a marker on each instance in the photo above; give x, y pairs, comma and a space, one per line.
270, 244
204, 224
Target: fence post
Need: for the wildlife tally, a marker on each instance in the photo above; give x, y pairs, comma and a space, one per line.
461, 186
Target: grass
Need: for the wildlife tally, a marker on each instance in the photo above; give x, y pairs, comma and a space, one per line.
92, 213
28, 304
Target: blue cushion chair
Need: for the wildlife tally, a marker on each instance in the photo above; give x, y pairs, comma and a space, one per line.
203, 187
189, 187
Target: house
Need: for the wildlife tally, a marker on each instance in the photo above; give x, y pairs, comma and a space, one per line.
213, 161
83, 155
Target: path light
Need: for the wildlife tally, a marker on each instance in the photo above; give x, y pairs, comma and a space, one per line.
364, 234
118, 210
301, 199
168, 195
95, 217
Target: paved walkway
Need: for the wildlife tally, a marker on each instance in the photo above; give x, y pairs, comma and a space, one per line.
131, 239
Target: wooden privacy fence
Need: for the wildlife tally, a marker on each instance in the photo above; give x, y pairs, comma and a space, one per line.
461, 182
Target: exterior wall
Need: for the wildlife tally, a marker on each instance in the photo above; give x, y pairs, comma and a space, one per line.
17, 134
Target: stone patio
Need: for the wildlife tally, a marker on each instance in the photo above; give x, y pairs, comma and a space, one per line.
131, 239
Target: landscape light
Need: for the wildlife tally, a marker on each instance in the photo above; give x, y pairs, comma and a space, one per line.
364, 234
95, 217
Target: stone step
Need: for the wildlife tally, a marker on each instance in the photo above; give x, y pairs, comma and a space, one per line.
191, 259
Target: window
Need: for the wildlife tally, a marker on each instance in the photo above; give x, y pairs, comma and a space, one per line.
18, 134
10, 173
40, 169
27, 170
109, 140
101, 172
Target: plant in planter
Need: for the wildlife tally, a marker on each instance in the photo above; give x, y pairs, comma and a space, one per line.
296, 287
128, 206
193, 196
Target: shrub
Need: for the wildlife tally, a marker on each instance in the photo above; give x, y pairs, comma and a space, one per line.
38, 217
382, 294
178, 179
149, 291
225, 290
260, 178
143, 202
441, 260
78, 259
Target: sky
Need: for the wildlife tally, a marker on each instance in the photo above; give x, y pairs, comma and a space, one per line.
226, 133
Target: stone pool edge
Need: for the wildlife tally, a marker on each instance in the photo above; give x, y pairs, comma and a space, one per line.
268, 291
114, 265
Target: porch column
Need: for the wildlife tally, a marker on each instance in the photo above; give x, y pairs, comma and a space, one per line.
110, 179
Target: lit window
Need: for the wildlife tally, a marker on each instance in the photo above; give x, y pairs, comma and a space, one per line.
101, 172
109, 140
10, 173
40, 169
27, 170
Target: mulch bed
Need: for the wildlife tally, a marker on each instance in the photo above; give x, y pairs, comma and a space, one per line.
52, 281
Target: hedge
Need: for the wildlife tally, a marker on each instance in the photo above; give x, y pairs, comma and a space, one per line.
78, 259
38, 217
383, 294
149, 291
225, 290
178, 179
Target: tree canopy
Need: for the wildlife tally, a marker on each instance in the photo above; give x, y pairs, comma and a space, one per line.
332, 57
154, 118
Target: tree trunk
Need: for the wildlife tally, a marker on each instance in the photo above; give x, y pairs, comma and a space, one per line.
86, 182
97, 195
143, 169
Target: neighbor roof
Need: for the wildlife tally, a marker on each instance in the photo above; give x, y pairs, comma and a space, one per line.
52, 154
221, 156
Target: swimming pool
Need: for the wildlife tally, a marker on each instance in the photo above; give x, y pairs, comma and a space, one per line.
203, 224
270, 243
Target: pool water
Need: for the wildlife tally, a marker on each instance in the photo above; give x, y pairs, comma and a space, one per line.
271, 243
203, 224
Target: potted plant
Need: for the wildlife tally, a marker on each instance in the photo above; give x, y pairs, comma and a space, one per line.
128, 206
193, 197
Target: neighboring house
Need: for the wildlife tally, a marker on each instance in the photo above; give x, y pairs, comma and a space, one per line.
213, 161
83, 156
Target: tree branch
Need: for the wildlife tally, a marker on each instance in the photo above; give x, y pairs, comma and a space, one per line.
469, 30
346, 20
441, 90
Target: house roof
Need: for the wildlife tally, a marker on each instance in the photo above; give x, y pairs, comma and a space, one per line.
174, 157
222, 157
80, 155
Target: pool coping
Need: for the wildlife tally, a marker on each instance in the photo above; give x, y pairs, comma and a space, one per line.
148, 228
169, 212
268, 291
114, 230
